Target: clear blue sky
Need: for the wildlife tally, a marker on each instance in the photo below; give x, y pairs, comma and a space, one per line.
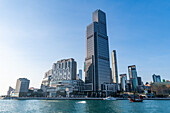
36, 33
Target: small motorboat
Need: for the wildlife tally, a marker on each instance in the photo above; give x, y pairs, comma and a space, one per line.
109, 98
137, 99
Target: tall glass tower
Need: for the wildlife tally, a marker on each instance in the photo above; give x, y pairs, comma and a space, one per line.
114, 67
123, 78
156, 78
97, 64
133, 76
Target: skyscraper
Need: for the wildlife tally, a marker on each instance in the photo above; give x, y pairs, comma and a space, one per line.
139, 80
80, 74
114, 67
156, 78
97, 65
123, 78
133, 76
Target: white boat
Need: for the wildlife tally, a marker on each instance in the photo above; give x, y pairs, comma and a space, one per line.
109, 98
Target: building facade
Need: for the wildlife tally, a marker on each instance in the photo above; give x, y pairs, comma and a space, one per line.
114, 67
109, 89
47, 77
133, 76
97, 64
46, 80
65, 69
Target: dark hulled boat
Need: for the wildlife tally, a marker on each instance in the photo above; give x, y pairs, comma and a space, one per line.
137, 99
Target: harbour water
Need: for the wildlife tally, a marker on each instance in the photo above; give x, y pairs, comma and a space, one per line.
84, 106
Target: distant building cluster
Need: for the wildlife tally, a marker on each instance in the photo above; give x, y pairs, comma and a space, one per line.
100, 80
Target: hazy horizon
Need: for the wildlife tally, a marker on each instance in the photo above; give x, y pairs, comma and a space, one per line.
36, 34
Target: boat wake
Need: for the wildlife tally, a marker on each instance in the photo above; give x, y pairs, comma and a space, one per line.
82, 102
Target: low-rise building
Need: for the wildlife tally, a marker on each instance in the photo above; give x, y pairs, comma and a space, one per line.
65, 88
109, 89
10, 91
161, 88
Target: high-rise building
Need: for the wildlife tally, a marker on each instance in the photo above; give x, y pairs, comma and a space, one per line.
139, 80
133, 76
114, 67
97, 64
22, 86
128, 86
65, 69
156, 78
123, 78
77, 76
80, 74
111, 78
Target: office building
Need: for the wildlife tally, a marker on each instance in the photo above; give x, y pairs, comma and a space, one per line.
22, 86
77, 76
80, 74
133, 76
156, 78
128, 85
97, 64
139, 80
123, 78
111, 78
114, 67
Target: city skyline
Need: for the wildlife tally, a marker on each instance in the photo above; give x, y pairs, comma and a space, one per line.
30, 43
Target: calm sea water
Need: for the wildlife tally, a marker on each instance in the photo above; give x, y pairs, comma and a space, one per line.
76, 106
